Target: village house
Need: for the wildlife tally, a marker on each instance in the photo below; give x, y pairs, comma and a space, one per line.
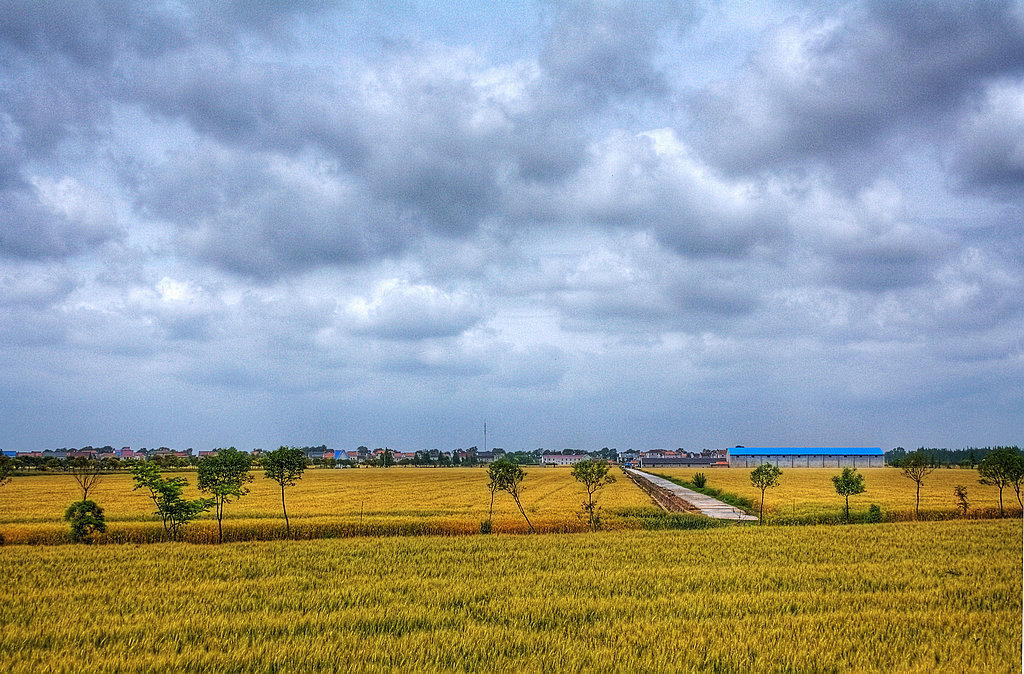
562, 459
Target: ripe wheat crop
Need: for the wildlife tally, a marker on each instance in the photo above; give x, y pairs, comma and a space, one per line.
917, 597
808, 493
324, 503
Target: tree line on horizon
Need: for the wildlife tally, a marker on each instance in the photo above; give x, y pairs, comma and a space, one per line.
164, 457
382, 456
967, 457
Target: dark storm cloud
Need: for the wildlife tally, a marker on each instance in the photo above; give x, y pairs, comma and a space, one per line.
595, 51
403, 148
594, 57
725, 297
879, 264
989, 151
33, 226
44, 103
636, 310
825, 89
41, 107
97, 32
267, 215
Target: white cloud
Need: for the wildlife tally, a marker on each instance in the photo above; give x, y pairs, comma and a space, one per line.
397, 309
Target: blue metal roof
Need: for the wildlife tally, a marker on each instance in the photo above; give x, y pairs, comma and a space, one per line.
806, 451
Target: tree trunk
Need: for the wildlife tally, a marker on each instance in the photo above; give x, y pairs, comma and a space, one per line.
761, 516
917, 508
590, 507
220, 516
847, 507
532, 530
287, 527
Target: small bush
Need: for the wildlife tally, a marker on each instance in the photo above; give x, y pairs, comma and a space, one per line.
700, 480
962, 504
86, 519
874, 513
486, 527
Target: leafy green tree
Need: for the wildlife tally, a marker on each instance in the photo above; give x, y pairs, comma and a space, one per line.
224, 475
285, 466
848, 483
6, 468
174, 510
1002, 467
387, 458
495, 476
765, 477
917, 466
87, 473
593, 475
86, 519
1017, 478
895, 456
508, 476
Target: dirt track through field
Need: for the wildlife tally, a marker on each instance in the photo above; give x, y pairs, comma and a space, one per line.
673, 497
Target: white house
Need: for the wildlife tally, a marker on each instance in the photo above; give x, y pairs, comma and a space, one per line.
563, 459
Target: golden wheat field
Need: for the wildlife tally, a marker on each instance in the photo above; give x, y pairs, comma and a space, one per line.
925, 596
809, 491
368, 501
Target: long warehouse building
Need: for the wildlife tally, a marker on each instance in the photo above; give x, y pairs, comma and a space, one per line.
807, 457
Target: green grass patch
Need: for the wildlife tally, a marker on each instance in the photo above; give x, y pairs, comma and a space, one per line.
653, 518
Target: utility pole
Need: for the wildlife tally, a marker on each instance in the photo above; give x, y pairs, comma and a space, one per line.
485, 435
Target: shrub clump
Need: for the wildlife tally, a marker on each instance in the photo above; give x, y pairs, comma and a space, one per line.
86, 520
962, 504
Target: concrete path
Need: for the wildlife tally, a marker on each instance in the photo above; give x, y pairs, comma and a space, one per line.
705, 504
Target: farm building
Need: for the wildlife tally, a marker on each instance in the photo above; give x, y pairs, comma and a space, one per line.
681, 461
807, 457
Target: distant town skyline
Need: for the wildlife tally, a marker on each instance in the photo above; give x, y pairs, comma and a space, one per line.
621, 224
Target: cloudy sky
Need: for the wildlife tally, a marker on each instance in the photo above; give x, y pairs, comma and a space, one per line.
591, 224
